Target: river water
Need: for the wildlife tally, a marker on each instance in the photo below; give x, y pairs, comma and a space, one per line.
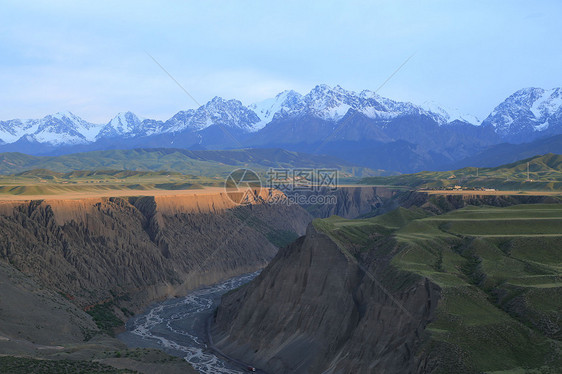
178, 326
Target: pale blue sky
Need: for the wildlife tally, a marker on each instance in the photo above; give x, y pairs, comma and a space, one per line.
90, 58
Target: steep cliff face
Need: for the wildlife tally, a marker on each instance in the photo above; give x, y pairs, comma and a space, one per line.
313, 310
349, 201
34, 315
141, 248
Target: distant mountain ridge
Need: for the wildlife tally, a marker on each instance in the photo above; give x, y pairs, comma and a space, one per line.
360, 126
530, 108
506, 153
199, 162
322, 102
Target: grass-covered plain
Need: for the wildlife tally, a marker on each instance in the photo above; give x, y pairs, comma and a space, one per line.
47, 182
500, 270
151, 169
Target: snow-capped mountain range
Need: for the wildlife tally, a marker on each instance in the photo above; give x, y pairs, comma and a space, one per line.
56, 129
332, 104
526, 113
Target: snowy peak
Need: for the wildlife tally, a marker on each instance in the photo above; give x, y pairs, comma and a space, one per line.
221, 112
323, 101
67, 119
332, 104
526, 111
124, 123
229, 113
66, 116
61, 128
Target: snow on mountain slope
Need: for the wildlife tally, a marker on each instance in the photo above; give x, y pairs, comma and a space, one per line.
150, 127
180, 121
449, 115
127, 124
547, 105
122, 124
527, 111
12, 130
65, 128
282, 104
228, 113
332, 104
378, 107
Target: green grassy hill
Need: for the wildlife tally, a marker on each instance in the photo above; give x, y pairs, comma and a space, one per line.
147, 169
500, 270
203, 163
545, 173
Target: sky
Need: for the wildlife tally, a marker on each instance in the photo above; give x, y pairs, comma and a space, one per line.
94, 58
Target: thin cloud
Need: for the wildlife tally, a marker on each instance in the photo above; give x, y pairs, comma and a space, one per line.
89, 57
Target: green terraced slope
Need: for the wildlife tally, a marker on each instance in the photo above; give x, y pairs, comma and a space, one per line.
500, 271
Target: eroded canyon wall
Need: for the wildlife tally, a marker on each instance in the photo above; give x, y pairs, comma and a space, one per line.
142, 248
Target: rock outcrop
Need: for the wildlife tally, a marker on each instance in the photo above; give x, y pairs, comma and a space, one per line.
348, 201
313, 310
